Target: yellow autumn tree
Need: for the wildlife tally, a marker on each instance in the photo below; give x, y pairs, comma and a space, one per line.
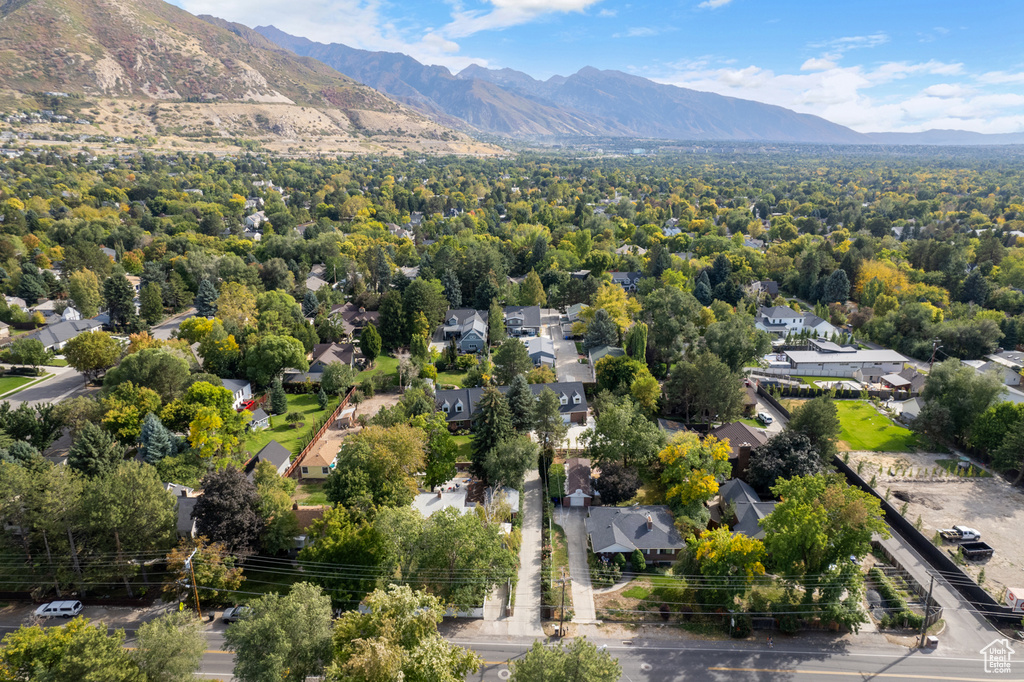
730, 560
613, 298
692, 470
892, 280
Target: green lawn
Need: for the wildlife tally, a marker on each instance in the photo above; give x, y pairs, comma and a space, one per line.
384, 365
285, 433
465, 452
863, 428
752, 422
310, 493
57, 362
12, 382
457, 378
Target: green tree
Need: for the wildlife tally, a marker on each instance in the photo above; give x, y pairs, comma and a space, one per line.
119, 295
393, 333
30, 352
496, 324
521, 402
77, 651
236, 305
151, 303
785, 455
283, 637
532, 291
636, 342
206, 299
397, 638
310, 304
617, 373
228, 512
94, 452
704, 389
691, 472
646, 391
215, 569
616, 483
426, 297
452, 288
507, 463
623, 434
548, 424
126, 407
155, 440
280, 526
638, 561
170, 648
370, 343
278, 398
991, 428
346, 537
267, 358
176, 293
442, 450
729, 562
511, 360
159, 369
92, 353
1009, 456
818, 420
220, 351
378, 464
955, 398
736, 342
578, 661
492, 425
601, 331
837, 287
336, 378
84, 291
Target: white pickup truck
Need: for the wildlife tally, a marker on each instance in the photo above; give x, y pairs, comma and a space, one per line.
960, 534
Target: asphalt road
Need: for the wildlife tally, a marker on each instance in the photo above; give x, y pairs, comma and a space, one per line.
64, 382
163, 330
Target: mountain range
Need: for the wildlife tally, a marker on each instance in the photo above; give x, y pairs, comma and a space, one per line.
147, 68
591, 102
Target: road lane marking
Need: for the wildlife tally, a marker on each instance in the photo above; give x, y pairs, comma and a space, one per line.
840, 673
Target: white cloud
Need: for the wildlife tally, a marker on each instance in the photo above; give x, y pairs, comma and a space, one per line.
816, 64
1002, 78
714, 4
508, 13
857, 96
638, 32
608, 13
846, 43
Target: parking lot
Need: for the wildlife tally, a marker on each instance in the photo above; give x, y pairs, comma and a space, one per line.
942, 500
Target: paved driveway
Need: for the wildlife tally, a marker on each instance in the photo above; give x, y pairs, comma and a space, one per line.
572, 522
567, 365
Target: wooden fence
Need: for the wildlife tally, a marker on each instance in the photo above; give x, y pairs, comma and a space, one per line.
315, 440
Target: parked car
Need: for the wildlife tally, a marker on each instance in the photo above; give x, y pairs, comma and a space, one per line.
64, 609
959, 534
233, 613
764, 418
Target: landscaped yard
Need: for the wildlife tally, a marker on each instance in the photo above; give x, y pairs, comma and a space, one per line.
465, 453
457, 378
13, 382
283, 432
383, 365
864, 428
310, 493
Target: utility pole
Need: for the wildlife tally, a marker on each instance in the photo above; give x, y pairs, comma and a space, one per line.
561, 611
195, 589
935, 349
927, 609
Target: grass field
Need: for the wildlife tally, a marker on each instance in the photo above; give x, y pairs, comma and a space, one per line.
465, 452
310, 493
13, 382
285, 433
457, 378
384, 365
863, 428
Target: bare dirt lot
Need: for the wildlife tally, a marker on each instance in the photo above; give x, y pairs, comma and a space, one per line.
941, 500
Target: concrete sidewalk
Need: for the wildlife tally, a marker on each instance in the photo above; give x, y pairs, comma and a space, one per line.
572, 522
966, 630
525, 620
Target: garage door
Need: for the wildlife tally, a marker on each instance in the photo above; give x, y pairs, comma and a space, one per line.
575, 501
566, 418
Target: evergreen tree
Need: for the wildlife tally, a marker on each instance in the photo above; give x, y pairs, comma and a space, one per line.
532, 291
601, 331
119, 295
837, 287
520, 402
206, 299
548, 424
278, 398
94, 452
452, 288
636, 342
310, 304
721, 268
176, 294
151, 303
370, 343
702, 290
496, 323
392, 321
975, 288
321, 399
492, 425
155, 440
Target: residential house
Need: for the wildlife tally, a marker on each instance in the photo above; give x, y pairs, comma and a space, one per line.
399, 232
1008, 375
626, 280
185, 501
48, 309
467, 327
259, 420
827, 359
355, 318
318, 465
579, 274
314, 283
1013, 359
600, 352
255, 220
464, 496
780, 321
895, 382
109, 252
752, 243
651, 529
765, 286
906, 410
522, 320
241, 390
326, 354
541, 350
627, 249
571, 317
459, 404
671, 427
871, 374
916, 379
578, 491
740, 508
743, 441
273, 452
15, 301
55, 336
5, 330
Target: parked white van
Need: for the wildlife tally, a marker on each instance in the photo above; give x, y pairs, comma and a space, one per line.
64, 609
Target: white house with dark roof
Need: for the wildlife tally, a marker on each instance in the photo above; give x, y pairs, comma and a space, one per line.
56, 336
651, 529
779, 321
273, 452
241, 390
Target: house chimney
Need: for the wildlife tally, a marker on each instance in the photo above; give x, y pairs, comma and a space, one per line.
742, 460
184, 492
650, 522
362, 309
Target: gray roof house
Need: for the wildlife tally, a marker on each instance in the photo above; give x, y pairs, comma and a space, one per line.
651, 529
55, 336
541, 350
746, 507
781, 320
459, 404
185, 501
626, 280
522, 320
314, 283
260, 420
273, 452
468, 327
241, 390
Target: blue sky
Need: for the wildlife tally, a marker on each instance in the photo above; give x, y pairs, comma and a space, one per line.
873, 65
